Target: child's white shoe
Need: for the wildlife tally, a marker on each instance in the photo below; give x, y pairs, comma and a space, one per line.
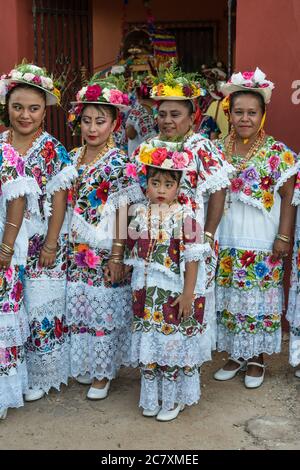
169, 415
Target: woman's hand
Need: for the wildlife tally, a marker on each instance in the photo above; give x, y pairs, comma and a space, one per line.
280, 250
48, 255
185, 306
5, 261
114, 272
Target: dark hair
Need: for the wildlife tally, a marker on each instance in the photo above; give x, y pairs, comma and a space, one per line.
256, 95
112, 110
188, 104
153, 171
4, 114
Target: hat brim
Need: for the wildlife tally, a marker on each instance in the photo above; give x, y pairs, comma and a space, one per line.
51, 98
174, 98
121, 107
230, 88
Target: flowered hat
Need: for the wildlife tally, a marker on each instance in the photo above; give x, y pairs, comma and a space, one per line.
101, 91
164, 155
33, 75
249, 81
173, 84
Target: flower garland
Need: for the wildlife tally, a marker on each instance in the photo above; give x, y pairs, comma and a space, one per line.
164, 157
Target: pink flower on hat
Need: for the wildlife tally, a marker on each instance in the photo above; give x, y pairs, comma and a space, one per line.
116, 97
180, 160
248, 75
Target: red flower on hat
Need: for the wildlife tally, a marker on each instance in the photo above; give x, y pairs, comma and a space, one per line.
93, 92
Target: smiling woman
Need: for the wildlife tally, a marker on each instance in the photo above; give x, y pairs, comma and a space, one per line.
99, 294
25, 93
255, 231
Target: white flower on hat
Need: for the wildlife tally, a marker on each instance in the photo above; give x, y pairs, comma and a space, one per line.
47, 83
3, 88
28, 77
81, 93
237, 79
15, 75
259, 76
167, 164
106, 94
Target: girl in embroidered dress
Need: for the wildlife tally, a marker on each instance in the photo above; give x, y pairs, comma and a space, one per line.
18, 189
293, 313
99, 311
29, 90
207, 173
255, 232
168, 303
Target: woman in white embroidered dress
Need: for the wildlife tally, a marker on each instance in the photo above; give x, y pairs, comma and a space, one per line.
293, 313
18, 189
254, 233
99, 309
29, 91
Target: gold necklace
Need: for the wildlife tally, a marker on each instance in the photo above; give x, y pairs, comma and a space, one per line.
34, 137
252, 151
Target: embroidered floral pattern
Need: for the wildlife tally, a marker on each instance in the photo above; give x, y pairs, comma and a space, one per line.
153, 310
105, 178
245, 269
58, 270
11, 289
47, 334
10, 359
251, 324
263, 173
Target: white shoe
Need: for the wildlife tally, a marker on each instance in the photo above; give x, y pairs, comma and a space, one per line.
297, 374
150, 413
84, 379
169, 415
98, 393
222, 374
254, 382
34, 394
3, 413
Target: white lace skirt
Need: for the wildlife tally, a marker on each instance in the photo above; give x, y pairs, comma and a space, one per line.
99, 320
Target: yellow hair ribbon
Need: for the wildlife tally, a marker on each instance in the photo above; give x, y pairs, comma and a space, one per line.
263, 120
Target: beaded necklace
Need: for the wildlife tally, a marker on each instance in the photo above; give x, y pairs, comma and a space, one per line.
34, 137
229, 150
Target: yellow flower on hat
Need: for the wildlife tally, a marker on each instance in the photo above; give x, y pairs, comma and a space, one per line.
57, 93
173, 91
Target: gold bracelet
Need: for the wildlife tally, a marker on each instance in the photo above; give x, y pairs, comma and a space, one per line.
7, 248
4, 254
116, 261
283, 238
48, 250
118, 244
116, 255
13, 225
209, 235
